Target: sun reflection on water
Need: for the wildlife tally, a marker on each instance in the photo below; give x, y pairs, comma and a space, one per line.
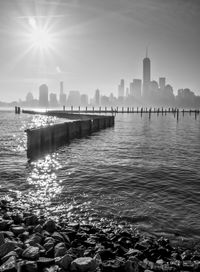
43, 178
33, 121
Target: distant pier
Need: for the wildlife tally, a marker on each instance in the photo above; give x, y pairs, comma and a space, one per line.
139, 110
42, 139
115, 110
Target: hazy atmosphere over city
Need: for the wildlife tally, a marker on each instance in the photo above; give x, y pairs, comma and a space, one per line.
93, 44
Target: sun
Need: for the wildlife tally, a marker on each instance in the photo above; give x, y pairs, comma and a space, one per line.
40, 37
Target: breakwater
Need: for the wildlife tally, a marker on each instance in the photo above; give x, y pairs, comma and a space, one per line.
48, 138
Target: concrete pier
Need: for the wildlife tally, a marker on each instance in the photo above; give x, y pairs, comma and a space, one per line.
44, 139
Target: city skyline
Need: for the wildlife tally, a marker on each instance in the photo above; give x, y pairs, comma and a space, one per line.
95, 44
141, 92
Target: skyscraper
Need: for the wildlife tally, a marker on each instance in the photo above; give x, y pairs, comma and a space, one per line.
97, 98
146, 74
61, 87
53, 102
74, 98
162, 81
62, 98
121, 88
43, 96
137, 87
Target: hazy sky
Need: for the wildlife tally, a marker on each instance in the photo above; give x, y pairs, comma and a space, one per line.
94, 43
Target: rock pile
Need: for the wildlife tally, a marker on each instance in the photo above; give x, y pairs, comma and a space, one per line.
30, 243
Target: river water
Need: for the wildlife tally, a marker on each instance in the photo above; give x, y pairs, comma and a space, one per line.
143, 172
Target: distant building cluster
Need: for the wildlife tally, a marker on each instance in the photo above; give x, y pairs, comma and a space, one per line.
145, 92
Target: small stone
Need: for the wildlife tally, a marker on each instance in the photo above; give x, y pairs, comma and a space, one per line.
98, 259
31, 253
113, 265
31, 220
188, 265
19, 251
6, 216
74, 225
36, 238
60, 250
133, 252
142, 245
45, 262
53, 268
18, 230
6, 248
106, 254
49, 238
160, 262
131, 266
2, 240
17, 218
66, 237
29, 266
186, 255
50, 226
24, 236
9, 265
8, 234
65, 261
5, 224
45, 233
7, 256
83, 264
57, 236
48, 245
38, 229
50, 253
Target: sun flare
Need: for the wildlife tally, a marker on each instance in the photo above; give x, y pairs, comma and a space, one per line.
40, 36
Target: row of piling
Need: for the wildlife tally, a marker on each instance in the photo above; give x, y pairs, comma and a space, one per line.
123, 110
128, 110
163, 111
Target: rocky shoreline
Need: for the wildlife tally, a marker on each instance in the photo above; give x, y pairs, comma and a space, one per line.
33, 243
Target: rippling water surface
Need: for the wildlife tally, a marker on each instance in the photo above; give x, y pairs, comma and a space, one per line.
142, 172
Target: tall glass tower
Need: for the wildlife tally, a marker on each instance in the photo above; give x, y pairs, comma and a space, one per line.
146, 74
